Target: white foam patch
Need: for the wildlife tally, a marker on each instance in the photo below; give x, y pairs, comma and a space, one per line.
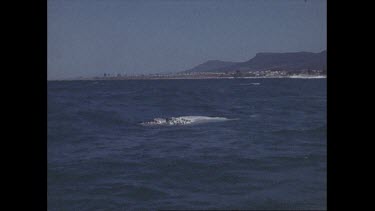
184, 120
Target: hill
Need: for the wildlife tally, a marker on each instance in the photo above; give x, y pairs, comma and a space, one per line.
211, 65
293, 62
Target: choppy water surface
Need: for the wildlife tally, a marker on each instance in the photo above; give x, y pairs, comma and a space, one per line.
212, 144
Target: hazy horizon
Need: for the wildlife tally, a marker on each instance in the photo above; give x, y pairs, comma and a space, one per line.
90, 38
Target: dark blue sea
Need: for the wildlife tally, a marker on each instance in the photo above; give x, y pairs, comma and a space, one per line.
268, 151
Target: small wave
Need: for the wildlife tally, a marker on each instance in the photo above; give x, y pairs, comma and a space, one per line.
184, 120
320, 129
308, 77
255, 84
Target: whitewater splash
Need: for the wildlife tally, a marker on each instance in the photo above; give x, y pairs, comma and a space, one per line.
184, 120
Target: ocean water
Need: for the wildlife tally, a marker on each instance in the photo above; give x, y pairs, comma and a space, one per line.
242, 144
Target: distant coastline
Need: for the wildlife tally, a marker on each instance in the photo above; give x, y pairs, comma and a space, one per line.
264, 65
200, 77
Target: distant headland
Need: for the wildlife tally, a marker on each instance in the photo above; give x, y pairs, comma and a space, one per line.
263, 65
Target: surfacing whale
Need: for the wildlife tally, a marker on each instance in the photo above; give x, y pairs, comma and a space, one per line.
183, 120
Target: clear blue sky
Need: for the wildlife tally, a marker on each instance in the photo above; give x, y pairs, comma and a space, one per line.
92, 37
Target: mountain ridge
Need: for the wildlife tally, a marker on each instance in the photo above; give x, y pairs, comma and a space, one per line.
210, 65
290, 61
